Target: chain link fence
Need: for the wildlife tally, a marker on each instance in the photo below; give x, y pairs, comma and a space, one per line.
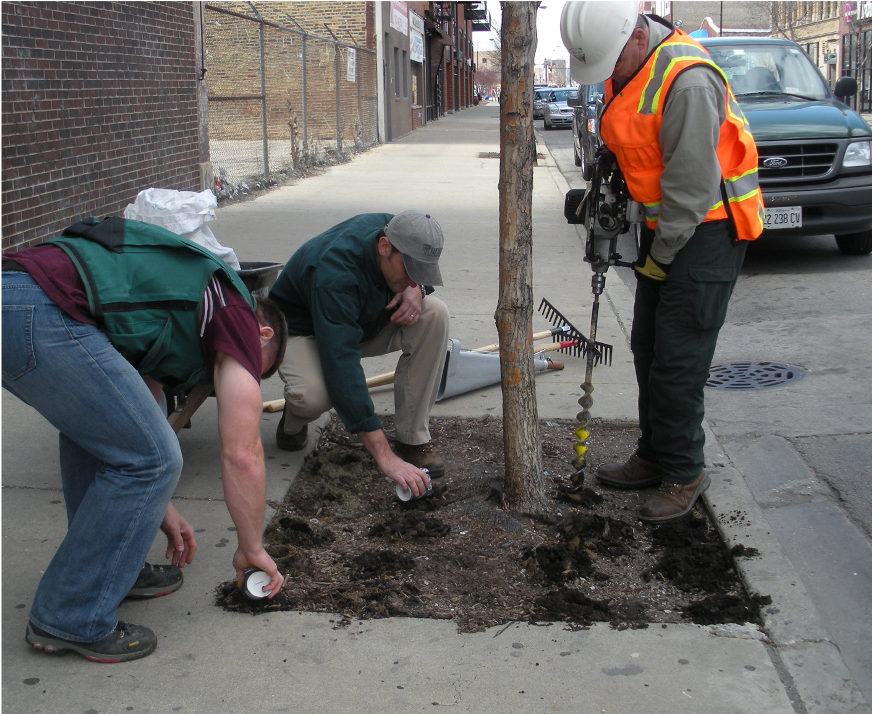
281, 100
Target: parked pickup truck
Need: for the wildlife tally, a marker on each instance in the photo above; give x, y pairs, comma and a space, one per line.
815, 153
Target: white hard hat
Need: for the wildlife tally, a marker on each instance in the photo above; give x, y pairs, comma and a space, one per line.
595, 33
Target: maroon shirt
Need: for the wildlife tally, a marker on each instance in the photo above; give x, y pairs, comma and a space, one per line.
228, 324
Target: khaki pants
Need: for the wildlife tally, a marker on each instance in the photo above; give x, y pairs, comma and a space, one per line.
424, 347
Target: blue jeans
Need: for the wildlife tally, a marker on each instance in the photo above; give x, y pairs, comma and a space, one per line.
120, 460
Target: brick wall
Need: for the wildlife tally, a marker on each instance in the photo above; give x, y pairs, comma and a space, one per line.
99, 102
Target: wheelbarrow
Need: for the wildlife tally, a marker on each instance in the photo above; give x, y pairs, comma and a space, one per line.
258, 278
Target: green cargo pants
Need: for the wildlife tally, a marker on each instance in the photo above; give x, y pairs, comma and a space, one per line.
675, 330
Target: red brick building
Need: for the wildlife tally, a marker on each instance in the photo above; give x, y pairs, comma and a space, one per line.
99, 100
104, 99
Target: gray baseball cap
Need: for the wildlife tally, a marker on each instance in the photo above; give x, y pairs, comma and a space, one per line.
419, 238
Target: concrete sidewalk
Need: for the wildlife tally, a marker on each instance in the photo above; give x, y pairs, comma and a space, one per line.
212, 660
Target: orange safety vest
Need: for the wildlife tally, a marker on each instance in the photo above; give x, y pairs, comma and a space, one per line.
630, 127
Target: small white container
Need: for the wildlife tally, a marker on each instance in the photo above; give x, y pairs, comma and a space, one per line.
254, 582
405, 494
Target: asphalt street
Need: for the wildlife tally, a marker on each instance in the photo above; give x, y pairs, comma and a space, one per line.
802, 446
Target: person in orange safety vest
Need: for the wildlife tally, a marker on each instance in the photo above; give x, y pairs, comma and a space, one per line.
687, 155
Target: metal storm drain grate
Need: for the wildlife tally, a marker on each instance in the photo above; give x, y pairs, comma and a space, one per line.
752, 375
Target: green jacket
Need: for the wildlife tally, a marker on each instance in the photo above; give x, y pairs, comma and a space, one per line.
332, 288
144, 286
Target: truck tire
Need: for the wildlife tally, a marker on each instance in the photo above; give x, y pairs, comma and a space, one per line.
577, 157
856, 243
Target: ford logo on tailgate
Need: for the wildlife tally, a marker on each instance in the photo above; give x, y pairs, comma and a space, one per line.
775, 162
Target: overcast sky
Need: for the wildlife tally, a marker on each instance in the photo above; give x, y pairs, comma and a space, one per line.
547, 30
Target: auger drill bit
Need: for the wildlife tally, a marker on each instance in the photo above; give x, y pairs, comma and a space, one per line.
604, 211
598, 281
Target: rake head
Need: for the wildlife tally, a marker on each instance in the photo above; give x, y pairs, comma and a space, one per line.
602, 351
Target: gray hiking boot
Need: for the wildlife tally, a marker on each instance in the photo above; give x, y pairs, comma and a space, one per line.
126, 642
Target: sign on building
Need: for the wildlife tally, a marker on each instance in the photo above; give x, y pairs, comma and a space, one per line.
400, 16
351, 69
416, 37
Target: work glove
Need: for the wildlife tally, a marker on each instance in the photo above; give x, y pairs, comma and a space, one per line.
652, 269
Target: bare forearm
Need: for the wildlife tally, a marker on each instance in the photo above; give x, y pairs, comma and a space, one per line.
391, 465
376, 443
245, 497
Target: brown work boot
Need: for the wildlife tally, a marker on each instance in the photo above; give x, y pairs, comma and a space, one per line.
291, 442
422, 456
673, 500
636, 473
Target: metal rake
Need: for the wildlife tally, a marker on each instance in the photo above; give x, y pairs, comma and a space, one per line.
602, 351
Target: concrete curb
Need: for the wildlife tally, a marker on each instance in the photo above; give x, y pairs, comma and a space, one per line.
812, 668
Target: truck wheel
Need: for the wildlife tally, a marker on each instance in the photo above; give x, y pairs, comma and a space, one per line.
856, 243
577, 157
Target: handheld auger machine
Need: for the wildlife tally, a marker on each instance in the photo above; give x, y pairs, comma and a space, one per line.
606, 211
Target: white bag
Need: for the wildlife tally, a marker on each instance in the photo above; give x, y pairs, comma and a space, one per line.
184, 213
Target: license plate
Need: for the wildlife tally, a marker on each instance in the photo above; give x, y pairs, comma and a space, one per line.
776, 218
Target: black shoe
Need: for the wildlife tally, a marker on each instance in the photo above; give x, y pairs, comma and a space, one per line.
291, 442
124, 643
156, 581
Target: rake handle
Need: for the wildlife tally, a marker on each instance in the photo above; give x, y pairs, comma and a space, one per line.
380, 380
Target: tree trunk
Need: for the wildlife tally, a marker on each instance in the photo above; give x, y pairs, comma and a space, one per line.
524, 482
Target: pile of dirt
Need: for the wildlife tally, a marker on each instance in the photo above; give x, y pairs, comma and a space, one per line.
352, 548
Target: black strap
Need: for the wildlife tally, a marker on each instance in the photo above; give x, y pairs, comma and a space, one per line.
9, 264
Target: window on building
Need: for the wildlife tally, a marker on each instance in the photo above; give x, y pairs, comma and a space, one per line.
405, 74
397, 88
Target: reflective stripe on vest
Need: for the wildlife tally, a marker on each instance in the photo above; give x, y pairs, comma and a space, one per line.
631, 131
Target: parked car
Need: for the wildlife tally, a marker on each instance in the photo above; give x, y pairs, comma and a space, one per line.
584, 126
540, 94
815, 162
557, 110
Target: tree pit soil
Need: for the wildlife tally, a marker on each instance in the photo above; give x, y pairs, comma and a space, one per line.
350, 547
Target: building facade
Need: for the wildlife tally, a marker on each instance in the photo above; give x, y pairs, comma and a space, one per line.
102, 100
856, 51
427, 60
836, 35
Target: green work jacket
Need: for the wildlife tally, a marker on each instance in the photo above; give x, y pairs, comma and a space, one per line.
144, 286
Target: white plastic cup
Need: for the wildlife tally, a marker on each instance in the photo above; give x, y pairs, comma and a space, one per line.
254, 582
405, 494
